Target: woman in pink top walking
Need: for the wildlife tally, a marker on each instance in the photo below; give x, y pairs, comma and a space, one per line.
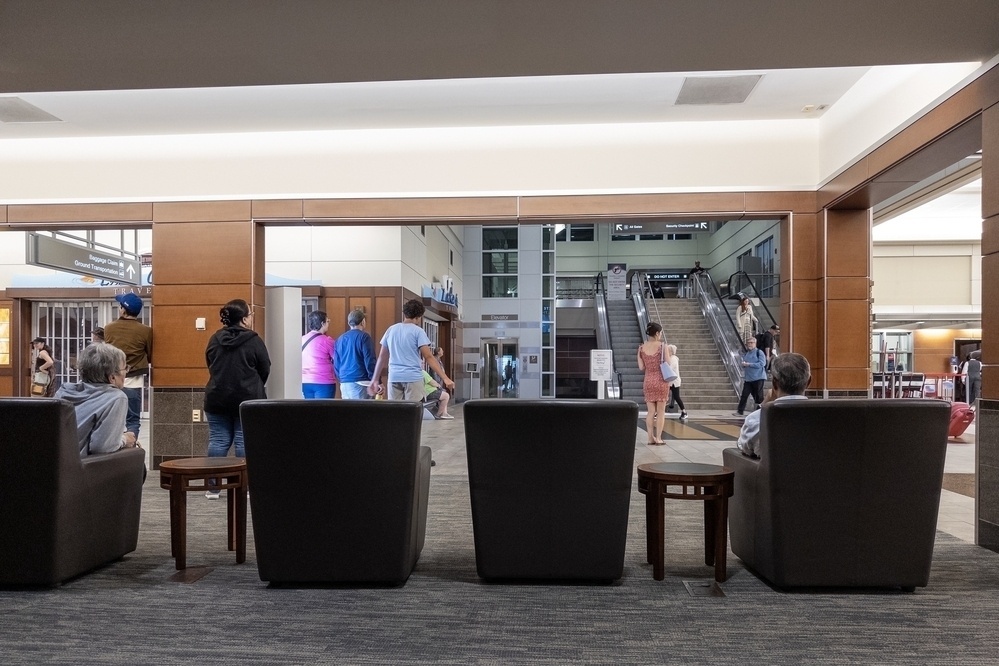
318, 378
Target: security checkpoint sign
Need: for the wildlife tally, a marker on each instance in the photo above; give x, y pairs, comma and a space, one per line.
51, 253
601, 365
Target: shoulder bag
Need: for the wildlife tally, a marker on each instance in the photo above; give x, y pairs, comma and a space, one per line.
664, 366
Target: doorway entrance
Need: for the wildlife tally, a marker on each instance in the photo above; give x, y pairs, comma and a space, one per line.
499, 375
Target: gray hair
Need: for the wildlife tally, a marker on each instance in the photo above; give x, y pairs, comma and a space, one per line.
672, 348
791, 373
99, 361
355, 317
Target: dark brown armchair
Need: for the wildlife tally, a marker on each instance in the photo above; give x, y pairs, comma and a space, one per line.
339, 489
845, 493
550, 484
60, 515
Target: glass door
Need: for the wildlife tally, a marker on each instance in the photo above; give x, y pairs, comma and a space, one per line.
499, 377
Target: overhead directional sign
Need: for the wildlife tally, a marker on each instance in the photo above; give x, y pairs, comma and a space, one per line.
629, 228
60, 255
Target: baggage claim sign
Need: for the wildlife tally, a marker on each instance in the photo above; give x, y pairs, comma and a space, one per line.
51, 253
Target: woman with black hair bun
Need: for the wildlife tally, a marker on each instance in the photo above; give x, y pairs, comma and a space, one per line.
238, 367
651, 354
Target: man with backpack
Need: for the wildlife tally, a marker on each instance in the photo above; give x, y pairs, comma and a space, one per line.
754, 364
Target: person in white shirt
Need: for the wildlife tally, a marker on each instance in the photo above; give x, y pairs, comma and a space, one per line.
790, 376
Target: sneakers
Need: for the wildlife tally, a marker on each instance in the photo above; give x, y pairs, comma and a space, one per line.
683, 416
212, 495
446, 417
738, 414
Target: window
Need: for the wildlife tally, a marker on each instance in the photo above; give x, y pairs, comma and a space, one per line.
4, 336
574, 232
500, 262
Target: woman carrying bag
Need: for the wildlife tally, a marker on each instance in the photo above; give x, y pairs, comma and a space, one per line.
42, 384
653, 360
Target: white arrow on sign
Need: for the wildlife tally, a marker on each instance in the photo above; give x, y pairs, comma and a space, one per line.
131, 272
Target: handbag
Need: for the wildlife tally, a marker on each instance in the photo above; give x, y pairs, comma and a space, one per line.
664, 366
40, 382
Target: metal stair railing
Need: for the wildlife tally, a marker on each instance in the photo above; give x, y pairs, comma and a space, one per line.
723, 329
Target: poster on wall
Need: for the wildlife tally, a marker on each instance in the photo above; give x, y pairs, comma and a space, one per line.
617, 282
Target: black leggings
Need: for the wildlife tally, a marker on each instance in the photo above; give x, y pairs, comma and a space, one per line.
676, 397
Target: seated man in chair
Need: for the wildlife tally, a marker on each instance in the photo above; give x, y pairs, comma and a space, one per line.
790, 376
100, 404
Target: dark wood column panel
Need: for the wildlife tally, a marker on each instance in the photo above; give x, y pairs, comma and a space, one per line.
200, 266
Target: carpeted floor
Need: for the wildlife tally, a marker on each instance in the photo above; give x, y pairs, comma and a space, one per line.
963, 484
131, 612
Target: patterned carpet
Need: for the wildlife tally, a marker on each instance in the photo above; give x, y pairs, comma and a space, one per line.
131, 612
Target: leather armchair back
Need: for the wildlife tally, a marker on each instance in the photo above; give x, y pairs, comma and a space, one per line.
550, 484
845, 493
61, 516
338, 489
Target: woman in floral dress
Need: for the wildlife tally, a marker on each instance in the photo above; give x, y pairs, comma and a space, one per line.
656, 389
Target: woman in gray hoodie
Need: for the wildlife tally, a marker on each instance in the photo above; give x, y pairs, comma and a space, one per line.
98, 400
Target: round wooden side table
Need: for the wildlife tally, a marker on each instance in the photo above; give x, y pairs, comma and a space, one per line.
711, 484
229, 474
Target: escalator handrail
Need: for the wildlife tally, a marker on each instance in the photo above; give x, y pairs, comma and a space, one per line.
756, 291
731, 348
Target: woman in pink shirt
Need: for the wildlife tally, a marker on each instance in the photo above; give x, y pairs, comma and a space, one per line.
318, 378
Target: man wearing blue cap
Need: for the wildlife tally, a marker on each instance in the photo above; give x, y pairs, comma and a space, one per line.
136, 340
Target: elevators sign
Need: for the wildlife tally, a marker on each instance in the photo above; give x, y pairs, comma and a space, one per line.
51, 253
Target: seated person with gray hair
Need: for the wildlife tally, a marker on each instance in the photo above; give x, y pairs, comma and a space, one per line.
99, 402
790, 375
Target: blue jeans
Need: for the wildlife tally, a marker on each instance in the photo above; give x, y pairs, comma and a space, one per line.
224, 432
316, 391
134, 410
353, 391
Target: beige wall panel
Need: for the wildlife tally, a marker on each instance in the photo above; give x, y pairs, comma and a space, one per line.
430, 208
279, 208
3, 214
105, 212
848, 379
179, 377
923, 280
848, 239
848, 288
613, 204
799, 202
201, 211
208, 253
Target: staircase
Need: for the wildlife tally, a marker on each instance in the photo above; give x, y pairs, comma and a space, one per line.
625, 339
705, 383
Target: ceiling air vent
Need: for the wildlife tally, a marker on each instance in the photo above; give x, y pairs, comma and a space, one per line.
16, 110
717, 89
